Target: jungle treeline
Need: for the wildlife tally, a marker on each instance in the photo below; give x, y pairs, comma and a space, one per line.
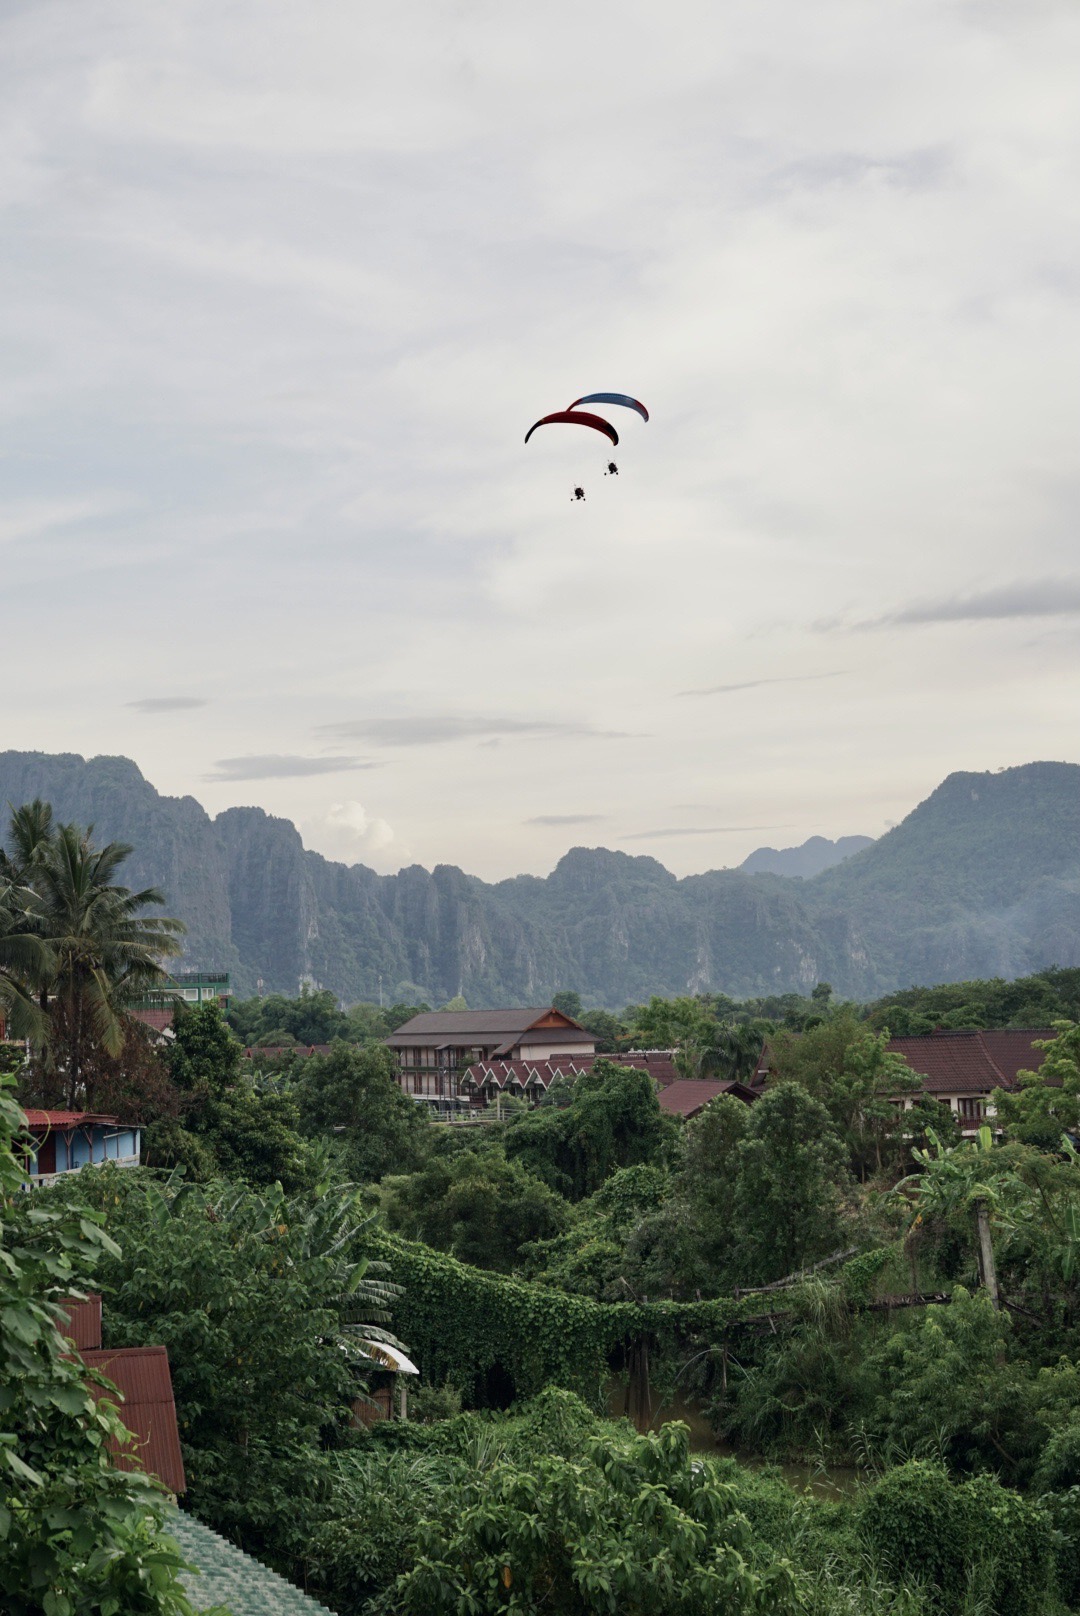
821, 1277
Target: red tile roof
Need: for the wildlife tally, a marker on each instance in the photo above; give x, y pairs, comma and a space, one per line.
526, 1072
160, 1020
658, 1064
141, 1376
83, 1327
972, 1062
689, 1095
68, 1119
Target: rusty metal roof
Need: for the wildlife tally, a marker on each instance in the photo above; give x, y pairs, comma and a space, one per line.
83, 1328
141, 1376
67, 1119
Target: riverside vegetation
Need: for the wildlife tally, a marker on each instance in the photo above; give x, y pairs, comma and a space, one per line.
808, 1272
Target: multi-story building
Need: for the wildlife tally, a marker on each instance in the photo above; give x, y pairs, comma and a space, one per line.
435, 1050
193, 988
961, 1068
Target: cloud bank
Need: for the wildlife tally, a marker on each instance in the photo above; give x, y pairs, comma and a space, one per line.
281, 301
274, 766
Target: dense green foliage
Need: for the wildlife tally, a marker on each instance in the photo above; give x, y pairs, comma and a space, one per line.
818, 1276
476, 1204
75, 949
609, 1118
975, 1544
352, 1095
262, 1301
626, 1523
1027, 1001
77, 1536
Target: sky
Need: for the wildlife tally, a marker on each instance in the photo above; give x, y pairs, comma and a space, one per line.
283, 285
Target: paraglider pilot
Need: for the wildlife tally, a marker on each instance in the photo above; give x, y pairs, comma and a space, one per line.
612, 469
579, 493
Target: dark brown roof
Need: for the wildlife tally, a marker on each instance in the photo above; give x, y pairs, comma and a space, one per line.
551, 1036
464, 1027
141, 1376
158, 1020
659, 1063
972, 1062
83, 1326
689, 1095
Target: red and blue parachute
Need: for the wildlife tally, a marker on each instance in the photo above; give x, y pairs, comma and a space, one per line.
613, 398
574, 416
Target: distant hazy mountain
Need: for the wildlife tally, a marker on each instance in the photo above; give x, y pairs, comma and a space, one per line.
982, 879
813, 856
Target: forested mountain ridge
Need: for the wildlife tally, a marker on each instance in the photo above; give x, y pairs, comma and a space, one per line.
982, 879
817, 853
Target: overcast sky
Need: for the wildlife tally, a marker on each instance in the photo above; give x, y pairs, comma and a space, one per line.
282, 286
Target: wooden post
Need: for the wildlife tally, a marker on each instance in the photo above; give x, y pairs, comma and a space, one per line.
646, 1392
987, 1270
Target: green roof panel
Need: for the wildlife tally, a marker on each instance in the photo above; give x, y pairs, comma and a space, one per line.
232, 1578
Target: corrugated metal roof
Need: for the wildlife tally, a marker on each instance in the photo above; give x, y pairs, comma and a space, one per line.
225, 1575
972, 1062
141, 1376
68, 1119
83, 1328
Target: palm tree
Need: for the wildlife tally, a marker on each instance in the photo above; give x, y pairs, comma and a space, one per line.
30, 834
104, 952
24, 961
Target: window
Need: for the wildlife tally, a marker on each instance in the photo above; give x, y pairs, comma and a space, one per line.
972, 1108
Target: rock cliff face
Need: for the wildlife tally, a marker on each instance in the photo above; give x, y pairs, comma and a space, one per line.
982, 879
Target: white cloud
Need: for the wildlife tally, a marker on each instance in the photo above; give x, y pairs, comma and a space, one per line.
346, 831
282, 287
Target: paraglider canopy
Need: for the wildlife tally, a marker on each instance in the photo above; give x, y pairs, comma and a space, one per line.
613, 398
575, 418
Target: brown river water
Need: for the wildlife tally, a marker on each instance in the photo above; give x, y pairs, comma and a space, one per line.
832, 1482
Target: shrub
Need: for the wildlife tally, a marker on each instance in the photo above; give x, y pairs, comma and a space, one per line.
959, 1539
